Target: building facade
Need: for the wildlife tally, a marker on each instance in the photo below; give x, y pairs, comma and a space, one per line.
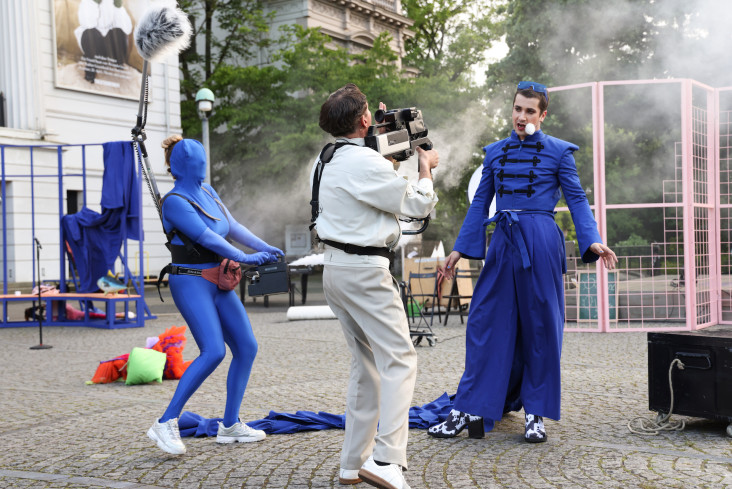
49, 101
351, 24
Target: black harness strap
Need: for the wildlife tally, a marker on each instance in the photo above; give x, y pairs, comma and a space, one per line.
325, 156
189, 252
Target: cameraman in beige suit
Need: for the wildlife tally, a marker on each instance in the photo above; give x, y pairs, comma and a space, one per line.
360, 196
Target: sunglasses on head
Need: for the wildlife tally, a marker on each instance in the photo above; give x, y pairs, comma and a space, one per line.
537, 87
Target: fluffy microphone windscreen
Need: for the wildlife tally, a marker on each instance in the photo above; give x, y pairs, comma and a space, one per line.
162, 31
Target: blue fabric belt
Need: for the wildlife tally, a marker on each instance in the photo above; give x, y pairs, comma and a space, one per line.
506, 219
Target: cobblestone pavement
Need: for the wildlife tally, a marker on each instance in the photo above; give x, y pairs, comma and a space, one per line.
58, 432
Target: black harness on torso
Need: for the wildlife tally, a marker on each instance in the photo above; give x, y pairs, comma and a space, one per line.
190, 252
325, 156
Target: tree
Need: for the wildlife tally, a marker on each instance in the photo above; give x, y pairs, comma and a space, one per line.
266, 132
451, 36
561, 42
232, 33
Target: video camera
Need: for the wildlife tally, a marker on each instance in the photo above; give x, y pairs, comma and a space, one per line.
405, 130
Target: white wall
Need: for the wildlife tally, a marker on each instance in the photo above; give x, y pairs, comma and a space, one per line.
62, 116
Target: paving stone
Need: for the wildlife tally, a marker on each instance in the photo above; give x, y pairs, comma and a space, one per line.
59, 432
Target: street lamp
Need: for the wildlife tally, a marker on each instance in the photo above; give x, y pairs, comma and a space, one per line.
204, 101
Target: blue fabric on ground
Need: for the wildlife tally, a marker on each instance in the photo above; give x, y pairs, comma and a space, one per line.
420, 417
192, 424
284, 423
432, 413
95, 239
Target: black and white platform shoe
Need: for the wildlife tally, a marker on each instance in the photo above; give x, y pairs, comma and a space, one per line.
535, 432
455, 423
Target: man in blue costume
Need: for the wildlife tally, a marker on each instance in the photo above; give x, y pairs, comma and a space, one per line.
516, 320
197, 224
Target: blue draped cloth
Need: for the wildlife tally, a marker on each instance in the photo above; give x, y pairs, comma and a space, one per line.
95, 239
420, 417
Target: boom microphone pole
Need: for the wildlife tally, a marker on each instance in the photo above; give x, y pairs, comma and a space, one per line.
161, 31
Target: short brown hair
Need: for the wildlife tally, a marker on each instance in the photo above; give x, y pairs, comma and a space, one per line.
528, 93
339, 114
167, 145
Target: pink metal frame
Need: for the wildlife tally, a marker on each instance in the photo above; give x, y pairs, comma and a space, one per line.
724, 200
645, 297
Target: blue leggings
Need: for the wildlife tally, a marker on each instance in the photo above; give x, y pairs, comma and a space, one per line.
216, 319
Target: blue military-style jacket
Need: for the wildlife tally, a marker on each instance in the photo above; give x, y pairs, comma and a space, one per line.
527, 176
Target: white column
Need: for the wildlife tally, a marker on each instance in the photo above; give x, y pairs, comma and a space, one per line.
18, 56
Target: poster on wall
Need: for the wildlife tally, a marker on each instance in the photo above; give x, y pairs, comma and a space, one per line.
95, 50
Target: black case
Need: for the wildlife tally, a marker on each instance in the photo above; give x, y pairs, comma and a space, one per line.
704, 387
273, 279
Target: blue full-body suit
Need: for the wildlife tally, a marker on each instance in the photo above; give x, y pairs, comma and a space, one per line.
516, 319
216, 318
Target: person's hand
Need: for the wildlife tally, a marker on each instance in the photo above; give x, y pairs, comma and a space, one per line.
274, 251
257, 259
607, 255
450, 263
382, 106
428, 160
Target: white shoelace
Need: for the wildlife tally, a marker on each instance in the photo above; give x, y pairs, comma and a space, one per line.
172, 431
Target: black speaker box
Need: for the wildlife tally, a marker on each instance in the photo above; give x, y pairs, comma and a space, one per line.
270, 279
703, 388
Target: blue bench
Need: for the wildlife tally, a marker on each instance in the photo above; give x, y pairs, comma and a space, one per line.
113, 320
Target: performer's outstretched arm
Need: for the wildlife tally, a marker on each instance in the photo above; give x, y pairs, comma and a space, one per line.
183, 217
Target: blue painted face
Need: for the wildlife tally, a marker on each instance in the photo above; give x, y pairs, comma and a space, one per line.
188, 161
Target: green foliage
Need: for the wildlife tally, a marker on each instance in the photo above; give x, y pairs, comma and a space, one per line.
265, 122
225, 34
266, 118
633, 240
450, 35
565, 223
562, 42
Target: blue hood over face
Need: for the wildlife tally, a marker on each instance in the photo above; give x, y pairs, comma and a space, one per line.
188, 161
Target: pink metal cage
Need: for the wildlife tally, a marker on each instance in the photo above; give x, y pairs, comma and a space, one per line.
680, 281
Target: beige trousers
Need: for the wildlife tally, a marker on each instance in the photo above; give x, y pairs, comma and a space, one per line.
362, 294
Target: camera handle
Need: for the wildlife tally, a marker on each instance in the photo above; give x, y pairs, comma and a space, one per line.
425, 222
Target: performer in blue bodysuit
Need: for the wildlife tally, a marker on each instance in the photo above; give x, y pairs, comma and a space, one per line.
516, 319
216, 318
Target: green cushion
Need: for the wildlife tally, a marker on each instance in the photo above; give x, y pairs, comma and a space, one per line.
145, 365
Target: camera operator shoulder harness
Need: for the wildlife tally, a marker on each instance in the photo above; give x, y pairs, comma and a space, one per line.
326, 155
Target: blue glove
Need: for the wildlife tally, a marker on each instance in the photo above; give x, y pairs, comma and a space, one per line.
256, 259
274, 251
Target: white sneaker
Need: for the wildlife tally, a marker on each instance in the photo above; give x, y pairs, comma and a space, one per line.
382, 476
348, 477
238, 432
167, 436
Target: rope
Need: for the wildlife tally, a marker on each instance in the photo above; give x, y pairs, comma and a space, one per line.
645, 426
